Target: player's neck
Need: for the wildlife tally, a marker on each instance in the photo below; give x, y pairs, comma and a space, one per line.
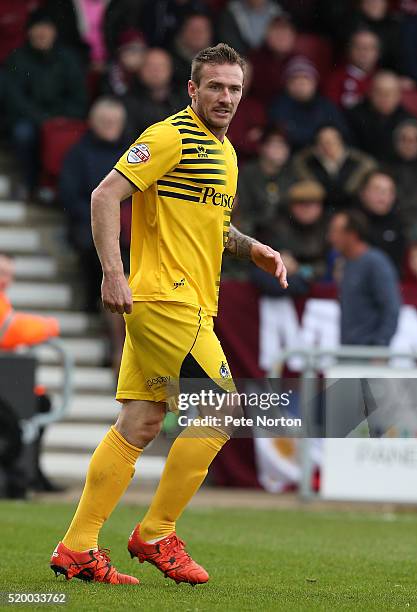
219, 133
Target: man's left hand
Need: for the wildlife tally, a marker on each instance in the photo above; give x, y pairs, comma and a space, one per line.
269, 260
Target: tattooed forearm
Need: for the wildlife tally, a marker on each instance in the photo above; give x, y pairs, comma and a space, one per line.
238, 245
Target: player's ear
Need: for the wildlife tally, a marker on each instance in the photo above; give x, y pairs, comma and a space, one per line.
192, 89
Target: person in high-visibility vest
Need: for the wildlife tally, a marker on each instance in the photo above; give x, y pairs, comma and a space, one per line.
17, 328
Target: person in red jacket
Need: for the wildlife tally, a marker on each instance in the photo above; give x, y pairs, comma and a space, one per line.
17, 329
347, 85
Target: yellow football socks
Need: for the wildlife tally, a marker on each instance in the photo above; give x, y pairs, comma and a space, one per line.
110, 471
185, 470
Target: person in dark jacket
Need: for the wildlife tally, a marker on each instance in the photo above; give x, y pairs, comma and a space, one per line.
160, 20
245, 131
298, 231
373, 121
339, 168
44, 80
84, 167
194, 35
404, 169
375, 15
152, 98
264, 183
377, 201
301, 109
271, 59
243, 23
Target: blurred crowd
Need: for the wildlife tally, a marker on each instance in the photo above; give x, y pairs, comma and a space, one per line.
328, 119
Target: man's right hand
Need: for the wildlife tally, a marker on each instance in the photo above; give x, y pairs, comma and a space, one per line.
116, 294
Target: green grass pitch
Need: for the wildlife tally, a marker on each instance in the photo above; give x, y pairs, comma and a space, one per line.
257, 559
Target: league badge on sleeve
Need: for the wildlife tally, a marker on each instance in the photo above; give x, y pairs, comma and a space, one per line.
138, 154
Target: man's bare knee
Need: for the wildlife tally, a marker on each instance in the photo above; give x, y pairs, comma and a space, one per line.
140, 421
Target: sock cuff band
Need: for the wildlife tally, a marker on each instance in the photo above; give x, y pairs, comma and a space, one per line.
129, 452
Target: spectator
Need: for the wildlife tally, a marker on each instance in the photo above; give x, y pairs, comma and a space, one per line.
121, 72
375, 15
299, 230
374, 120
80, 25
369, 293
404, 169
194, 35
409, 285
337, 167
409, 36
17, 328
377, 200
263, 184
24, 329
347, 85
161, 19
13, 18
301, 110
44, 80
303, 12
271, 59
331, 20
84, 167
121, 16
299, 233
243, 23
152, 99
249, 121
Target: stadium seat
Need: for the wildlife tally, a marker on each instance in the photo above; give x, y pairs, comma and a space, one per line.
58, 136
317, 49
409, 100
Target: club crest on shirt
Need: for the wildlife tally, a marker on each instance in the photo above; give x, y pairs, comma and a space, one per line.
224, 370
201, 151
138, 154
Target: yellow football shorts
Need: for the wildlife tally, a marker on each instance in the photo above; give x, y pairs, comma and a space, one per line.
166, 342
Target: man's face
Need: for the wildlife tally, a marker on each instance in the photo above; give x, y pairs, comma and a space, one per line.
378, 195
330, 143
42, 36
108, 122
275, 150
374, 9
280, 37
385, 94
307, 213
301, 87
196, 33
156, 70
364, 51
131, 57
406, 143
337, 234
217, 96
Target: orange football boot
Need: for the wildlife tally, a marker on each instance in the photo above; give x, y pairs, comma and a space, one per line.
91, 565
169, 556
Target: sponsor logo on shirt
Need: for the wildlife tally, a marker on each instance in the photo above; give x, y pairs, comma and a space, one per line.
211, 196
158, 380
139, 154
180, 283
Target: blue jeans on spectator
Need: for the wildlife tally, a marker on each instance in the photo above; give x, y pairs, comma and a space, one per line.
25, 137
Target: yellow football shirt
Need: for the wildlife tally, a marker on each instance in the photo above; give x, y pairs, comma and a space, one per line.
187, 183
